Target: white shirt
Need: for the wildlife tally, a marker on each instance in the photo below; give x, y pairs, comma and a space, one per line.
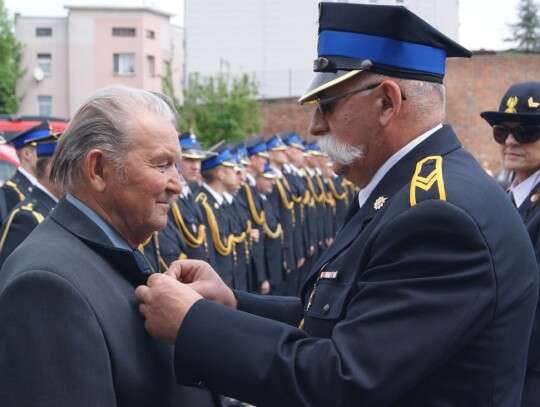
364, 193
218, 197
522, 190
30, 177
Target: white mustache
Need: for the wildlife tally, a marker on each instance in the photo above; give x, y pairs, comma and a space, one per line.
341, 152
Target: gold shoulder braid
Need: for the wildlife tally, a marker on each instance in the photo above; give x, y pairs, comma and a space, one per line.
27, 208
332, 187
258, 219
221, 248
317, 198
13, 186
275, 234
288, 205
425, 183
191, 240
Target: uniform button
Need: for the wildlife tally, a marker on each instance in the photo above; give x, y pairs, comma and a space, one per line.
325, 309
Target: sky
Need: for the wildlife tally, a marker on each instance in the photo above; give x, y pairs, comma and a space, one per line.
483, 23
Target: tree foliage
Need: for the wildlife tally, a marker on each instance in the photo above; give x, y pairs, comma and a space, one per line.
10, 64
221, 107
526, 32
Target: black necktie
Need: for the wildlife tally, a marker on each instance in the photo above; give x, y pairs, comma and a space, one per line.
142, 262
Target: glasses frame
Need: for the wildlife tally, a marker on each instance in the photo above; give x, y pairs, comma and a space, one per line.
323, 105
523, 134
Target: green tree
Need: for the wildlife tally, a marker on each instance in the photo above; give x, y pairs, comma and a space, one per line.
10, 64
221, 107
526, 32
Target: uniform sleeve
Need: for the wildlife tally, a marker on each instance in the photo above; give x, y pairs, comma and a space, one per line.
17, 228
427, 288
52, 350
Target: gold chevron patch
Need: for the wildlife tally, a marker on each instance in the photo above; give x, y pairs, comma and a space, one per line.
532, 104
426, 183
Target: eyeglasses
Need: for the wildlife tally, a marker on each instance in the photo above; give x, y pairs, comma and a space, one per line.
324, 105
522, 134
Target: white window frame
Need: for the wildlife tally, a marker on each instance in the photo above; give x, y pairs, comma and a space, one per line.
44, 105
44, 61
124, 64
150, 66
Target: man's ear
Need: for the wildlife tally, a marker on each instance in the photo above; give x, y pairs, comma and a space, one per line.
96, 170
391, 103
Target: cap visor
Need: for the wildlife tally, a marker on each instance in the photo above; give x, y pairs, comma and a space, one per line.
494, 118
324, 80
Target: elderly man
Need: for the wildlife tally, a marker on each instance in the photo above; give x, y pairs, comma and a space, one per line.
70, 333
426, 296
516, 128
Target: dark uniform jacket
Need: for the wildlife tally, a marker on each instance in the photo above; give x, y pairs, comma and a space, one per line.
530, 213
16, 189
23, 219
427, 299
69, 319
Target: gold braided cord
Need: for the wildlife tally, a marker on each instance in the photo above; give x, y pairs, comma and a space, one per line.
191, 240
307, 198
323, 189
317, 198
288, 205
13, 186
164, 266
275, 234
223, 249
339, 197
29, 208
259, 219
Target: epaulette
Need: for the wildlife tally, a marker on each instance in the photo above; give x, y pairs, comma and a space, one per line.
29, 207
428, 173
14, 186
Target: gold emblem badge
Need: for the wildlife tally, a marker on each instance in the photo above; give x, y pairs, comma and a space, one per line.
379, 202
511, 104
534, 198
532, 104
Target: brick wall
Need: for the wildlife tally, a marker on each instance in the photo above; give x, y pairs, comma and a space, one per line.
472, 86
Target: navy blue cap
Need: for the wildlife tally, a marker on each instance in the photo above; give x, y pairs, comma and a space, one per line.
387, 40
218, 154
240, 153
313, 148
190, 145
19, 140
256, 146
291, 139
520, 103
275, 144
268, 172
45, 144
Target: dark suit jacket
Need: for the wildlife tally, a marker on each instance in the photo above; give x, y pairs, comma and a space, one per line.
70, 321
530, 213
12, 196
431, 304
23, 219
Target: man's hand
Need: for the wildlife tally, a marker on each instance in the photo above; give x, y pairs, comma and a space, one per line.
164, 304
201, 277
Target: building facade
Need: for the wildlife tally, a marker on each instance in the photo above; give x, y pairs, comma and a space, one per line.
68, 58
274, 41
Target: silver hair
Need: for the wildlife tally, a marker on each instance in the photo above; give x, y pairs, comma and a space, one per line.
341, 152
426, 99
107, 120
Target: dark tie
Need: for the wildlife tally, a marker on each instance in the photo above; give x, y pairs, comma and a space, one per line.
142, 262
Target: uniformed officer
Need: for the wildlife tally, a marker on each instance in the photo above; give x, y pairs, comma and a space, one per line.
516, 128
44, 196
427, 295
217, 170
186, 214
273, 233
19, 186
258, 158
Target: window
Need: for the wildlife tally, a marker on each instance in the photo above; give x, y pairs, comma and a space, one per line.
43, 32
123, 32
124, 64
44, 62
150, 34
150, 65
45, 105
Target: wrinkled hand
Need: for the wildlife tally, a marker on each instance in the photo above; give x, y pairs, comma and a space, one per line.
255, 235
265, 287
201, 277
164, 304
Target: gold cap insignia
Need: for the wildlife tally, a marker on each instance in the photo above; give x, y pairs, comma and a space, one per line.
511, 104
532, 104
379, 202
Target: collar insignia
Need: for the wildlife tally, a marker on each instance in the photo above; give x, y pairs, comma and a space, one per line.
379, 202
511, 104
534, 198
